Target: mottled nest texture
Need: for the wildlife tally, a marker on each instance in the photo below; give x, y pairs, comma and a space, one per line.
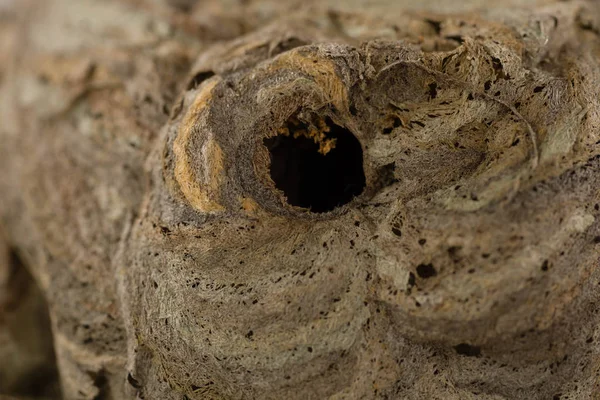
237, 200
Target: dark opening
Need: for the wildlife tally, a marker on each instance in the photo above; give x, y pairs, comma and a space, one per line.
468, 350
426, 271
316, 167
199, 78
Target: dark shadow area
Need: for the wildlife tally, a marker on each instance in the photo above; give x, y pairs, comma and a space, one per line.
28, 366
313, 178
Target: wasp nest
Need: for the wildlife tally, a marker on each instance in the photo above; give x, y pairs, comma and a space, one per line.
268, 200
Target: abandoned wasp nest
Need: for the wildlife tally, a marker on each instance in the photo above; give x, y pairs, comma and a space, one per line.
394, 202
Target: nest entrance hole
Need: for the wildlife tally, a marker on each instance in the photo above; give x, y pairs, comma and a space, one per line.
317, 166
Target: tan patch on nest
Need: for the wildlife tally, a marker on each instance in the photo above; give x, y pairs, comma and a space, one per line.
200, 193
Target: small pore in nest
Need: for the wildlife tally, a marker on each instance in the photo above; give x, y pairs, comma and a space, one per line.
133, 382
426, 271
433, 90
317, 166
468, 350
198, 79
